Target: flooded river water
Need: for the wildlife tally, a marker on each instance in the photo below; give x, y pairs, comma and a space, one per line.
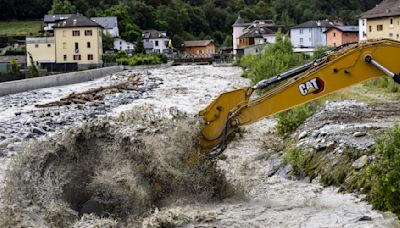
131, 161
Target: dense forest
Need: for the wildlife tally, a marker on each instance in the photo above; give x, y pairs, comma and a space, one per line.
189, 19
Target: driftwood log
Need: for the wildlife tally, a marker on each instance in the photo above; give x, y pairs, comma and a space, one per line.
93, 94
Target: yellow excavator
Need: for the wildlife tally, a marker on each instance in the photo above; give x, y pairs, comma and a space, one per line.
337, 69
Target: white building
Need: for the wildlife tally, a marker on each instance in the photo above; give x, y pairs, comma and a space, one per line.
362, 25
110, 24
123, 45
250, 38
238, 30
155, 41
309, 35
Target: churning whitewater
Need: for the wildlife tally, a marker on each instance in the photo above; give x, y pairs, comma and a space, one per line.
129, 168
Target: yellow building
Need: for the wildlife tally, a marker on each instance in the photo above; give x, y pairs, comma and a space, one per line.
383, 21
76, 40
42, 49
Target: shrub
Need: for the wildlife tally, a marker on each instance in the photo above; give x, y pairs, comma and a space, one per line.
290, 120
122, 54
142, 59
385, 172
384, 83
123, 61
275, 59
14, 66
109, 58
15, 52
297, 159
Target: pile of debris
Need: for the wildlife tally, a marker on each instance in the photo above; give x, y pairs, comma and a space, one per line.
95, 94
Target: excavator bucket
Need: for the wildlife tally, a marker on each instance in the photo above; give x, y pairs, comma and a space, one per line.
216, 116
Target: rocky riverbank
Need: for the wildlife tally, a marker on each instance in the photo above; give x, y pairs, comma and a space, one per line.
20, 120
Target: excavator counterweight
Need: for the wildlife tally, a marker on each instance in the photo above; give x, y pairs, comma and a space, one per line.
338, 69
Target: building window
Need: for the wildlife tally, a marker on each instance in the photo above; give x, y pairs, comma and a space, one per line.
88, 32
370, 28
36, 45
64, 33
363, 22
301, 31
397, 36
390, 35
77, 57
88, 45
391, 21
64, 45
90, 57
76, 33
301, 40
156, 43
76, 47
379, 27
334, 34
65, 57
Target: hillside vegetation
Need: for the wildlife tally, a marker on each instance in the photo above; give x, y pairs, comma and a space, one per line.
19, 28
190, 19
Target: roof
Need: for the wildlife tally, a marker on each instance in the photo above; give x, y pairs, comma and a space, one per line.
76, 20
197, 43
40, 40
257, 32
153, 34
347, 29
106, 22
55, 17
314, 24
240, 23
386, 8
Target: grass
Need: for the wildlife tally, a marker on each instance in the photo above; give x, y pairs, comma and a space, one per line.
312, 163
19, 28
380, 180
289, 121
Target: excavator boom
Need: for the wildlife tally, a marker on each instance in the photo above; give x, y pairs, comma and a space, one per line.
339, 69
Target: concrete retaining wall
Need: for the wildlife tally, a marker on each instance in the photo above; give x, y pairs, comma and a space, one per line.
55, 80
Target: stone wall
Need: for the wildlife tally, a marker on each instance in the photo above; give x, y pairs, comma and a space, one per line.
55, 80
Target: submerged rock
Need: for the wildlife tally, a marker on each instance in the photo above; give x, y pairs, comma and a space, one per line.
302, 135
359, 134
364, 218
360, 163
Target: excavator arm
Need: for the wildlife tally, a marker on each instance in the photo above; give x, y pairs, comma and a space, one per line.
341, 68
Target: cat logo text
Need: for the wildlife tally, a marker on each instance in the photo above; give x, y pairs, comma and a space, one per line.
315, 86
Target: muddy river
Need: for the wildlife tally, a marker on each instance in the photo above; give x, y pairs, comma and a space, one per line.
128, 166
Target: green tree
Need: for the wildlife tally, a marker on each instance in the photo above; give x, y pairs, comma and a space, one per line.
108, 42
128, 29
33, 69
275, 59
139, 49
62, 7
228, 42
